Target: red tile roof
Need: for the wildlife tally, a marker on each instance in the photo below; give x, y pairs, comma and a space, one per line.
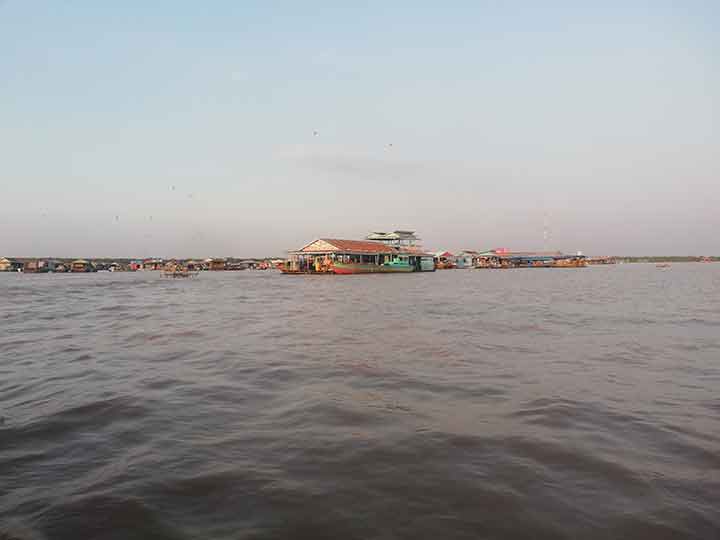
336, 245
361, 246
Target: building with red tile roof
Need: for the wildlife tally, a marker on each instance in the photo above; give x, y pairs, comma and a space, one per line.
336, 245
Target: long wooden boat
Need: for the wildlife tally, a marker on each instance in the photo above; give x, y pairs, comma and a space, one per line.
179, 273
570, 262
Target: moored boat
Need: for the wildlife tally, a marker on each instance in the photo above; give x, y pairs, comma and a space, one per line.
174, 269
397, 265
179, 273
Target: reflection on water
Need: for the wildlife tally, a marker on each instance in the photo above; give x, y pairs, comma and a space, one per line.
458, 404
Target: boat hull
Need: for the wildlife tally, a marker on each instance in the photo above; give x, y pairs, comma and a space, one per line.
362, 268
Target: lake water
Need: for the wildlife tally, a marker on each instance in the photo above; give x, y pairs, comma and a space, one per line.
529, 403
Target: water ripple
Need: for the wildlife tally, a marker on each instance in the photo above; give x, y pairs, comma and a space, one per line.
459, 404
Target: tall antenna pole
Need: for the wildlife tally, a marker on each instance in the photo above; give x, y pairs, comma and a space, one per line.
545, 232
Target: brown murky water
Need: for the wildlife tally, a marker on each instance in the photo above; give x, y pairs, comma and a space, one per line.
461, 404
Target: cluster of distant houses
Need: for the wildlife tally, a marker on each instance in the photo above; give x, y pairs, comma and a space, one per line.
408, 240
464, 259
401, 240
40, 266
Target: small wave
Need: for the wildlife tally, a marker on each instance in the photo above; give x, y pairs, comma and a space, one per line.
108, 516
569, 414
15, 529
160, 384
96, 414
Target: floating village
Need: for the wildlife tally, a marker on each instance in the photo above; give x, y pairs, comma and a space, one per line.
399, 251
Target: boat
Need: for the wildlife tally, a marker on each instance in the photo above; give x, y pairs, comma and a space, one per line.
569, 262
175, 270
662, 265
601, 260
396, 265
179, 273
444, 260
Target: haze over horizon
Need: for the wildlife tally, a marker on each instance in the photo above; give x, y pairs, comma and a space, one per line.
237, 129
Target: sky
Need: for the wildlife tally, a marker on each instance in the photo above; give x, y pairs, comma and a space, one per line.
225, 128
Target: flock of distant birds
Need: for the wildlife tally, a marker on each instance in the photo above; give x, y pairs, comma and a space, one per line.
150, 218
192, 195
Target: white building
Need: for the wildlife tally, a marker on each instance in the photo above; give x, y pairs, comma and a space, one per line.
400, 239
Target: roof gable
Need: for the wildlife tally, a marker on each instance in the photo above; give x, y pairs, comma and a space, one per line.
319, 245
329, 245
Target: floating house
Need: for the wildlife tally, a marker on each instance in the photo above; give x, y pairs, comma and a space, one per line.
31, 267
216, 264
444, 260
153, 264
6, 265
336, 256
193, 266
424, 261
47, 266
246, 264
236, 265
503, 258
170, 265
81, 265
466, 259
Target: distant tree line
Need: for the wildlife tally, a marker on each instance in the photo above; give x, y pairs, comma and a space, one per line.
665, 258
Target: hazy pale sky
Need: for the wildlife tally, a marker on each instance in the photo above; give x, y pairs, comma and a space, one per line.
187, 128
